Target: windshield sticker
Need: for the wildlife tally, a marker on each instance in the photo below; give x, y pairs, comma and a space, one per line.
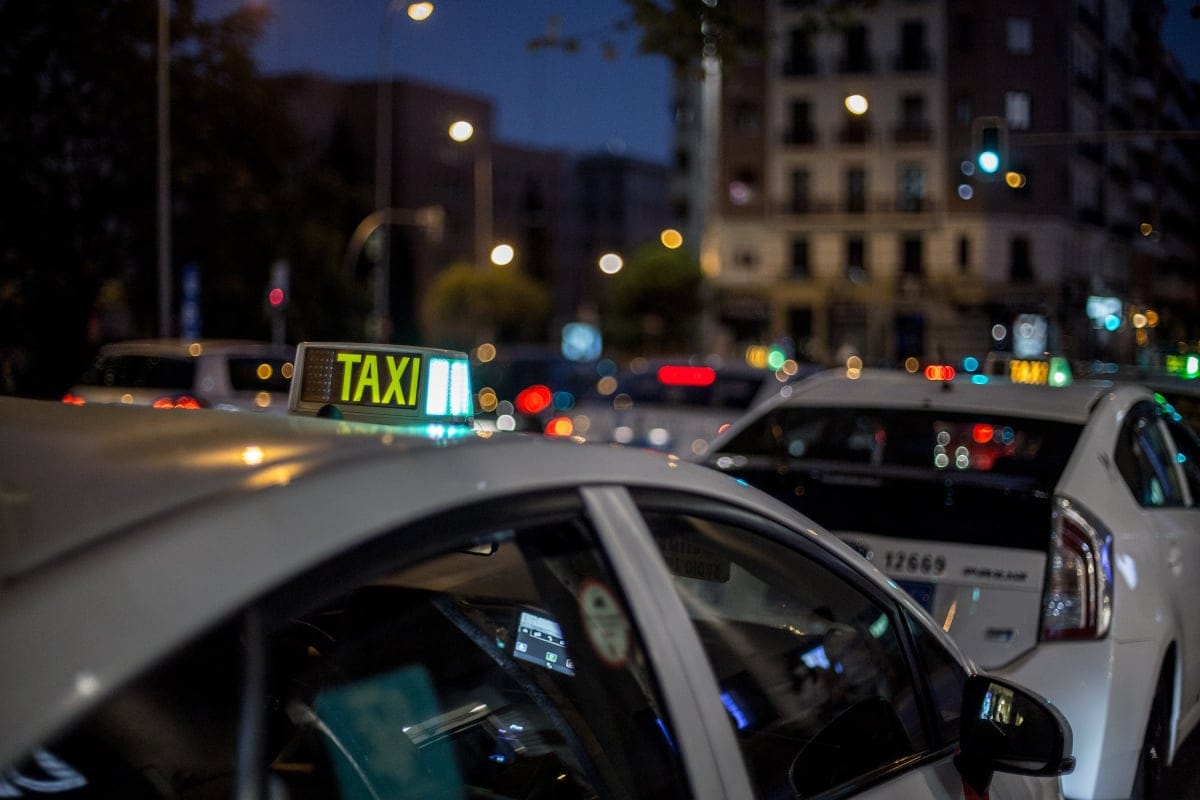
608, 629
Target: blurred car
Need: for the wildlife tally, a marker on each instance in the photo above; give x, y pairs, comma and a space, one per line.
225, 374
330, 607
1182, 394
676, 406
1053, 532
521, 387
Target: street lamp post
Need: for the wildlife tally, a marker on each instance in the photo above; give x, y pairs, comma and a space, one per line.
418, 12
462, 131
163, 108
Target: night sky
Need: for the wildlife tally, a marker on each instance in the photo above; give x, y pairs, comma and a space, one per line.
581, 102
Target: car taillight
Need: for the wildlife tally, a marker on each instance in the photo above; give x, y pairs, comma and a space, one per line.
73, 399
182, 401
1077, 599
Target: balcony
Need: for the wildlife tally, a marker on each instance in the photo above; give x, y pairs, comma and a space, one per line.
913, 61
800, 136
854, 134
912, 133
800, 66
856, 63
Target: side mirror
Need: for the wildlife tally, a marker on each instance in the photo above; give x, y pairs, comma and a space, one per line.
1006, 728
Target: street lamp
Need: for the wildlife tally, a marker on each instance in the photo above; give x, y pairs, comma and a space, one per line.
418, 12
163, 103
462, 131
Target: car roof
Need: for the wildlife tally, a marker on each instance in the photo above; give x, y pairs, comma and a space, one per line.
186, 347
883, 388
126, 531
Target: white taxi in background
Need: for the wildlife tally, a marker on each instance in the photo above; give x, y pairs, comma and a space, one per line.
372, 598
1054, 532
226, 374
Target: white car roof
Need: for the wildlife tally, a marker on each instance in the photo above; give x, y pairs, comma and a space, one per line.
126, 531
208, 347
898, 389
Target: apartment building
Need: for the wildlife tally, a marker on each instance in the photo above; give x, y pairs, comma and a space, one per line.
841, 204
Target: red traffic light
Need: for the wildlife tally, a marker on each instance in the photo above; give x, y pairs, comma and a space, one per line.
275, 297
939, 372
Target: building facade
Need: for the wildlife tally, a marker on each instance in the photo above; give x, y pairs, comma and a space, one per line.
843, 210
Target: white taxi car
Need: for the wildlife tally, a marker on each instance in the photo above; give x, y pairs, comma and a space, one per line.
226, 374
198, 604
1053, 532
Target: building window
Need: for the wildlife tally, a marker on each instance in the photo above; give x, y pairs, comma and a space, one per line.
856, 258
1019, 36
1016, 110
800, 199
913, 124
964, 253
856, 190
856, 56
913, 54
745, 117
912, 255
1020, 262
799, 56
910, 188
964, 108
800, 267
745, 259
800, 129
964, 33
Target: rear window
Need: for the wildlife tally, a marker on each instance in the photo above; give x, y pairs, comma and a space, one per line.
258, 374
940, 442
155, 372
967, 478
725, 391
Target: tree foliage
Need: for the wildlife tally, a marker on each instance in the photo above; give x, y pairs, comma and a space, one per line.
465, 306
78, 146
654, 302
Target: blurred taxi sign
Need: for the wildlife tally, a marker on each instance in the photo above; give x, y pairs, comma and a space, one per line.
381, 383
1040, 372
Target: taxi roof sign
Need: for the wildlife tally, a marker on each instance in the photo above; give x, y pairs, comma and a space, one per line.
381, 383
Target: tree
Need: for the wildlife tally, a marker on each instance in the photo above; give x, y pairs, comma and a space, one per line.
465, 306
654, 302
77, 149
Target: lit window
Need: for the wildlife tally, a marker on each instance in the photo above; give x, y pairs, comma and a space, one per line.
1020, 36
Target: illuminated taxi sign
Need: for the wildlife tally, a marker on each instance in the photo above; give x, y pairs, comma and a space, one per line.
1184, 366
1036, 372
381, 383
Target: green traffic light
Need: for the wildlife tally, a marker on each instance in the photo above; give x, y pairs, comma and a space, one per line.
989, 161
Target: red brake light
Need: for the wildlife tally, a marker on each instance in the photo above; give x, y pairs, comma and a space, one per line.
183, 401
534, 399
686, 376
73, 399
939, 372
560, 426
982, 434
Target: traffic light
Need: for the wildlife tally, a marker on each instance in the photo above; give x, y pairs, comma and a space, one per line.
989, 144
278, 288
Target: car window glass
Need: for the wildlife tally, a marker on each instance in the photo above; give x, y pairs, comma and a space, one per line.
466, 675
810, 669
1144, 461
945, 678
155, 372
1187, 453
259, 374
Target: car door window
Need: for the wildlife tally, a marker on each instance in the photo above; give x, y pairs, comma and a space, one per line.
489, 673
810, 667
945, 677
1187, 454
1145, 461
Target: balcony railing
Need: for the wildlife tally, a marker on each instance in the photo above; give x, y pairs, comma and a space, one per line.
856, 63
912, 132
800, 136
799, 67
913, 61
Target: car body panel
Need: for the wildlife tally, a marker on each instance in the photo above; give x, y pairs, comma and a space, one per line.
214, 371
128, 532
1154, 586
